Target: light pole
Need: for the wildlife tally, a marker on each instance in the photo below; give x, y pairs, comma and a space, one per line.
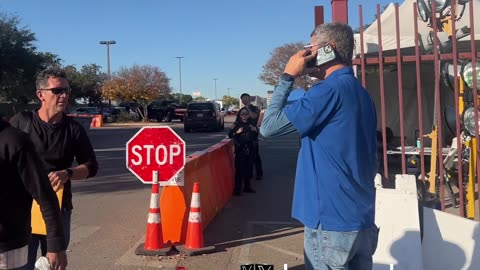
215, 88
108, 43
228, 91
180, 70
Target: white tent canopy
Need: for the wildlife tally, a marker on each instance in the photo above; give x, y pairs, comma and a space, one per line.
407, 30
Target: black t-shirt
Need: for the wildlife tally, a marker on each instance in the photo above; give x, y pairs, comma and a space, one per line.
59, 145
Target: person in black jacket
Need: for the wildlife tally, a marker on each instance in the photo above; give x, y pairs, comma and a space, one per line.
244, 134
255, 115
23, 178
59, 139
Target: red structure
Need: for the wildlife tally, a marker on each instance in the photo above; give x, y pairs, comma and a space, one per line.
340, 11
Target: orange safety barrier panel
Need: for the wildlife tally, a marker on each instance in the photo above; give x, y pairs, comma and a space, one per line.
173, 210
97, 121
204, 167
213, 168
224, 188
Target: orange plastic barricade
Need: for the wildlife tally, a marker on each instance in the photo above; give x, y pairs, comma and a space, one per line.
213, 168
221, 172
97, 121
203, 168
173, 210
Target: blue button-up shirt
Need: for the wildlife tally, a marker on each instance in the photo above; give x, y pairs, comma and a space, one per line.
337, 163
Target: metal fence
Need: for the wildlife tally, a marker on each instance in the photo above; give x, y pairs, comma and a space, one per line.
440, 68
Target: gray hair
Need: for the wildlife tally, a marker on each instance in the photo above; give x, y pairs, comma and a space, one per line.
49, 72
341, 35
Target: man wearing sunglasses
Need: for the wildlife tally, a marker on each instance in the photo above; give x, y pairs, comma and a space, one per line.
59, 140
334, 194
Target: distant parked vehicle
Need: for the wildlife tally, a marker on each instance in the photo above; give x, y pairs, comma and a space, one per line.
86, 110
93, 111
203, 115
161, 110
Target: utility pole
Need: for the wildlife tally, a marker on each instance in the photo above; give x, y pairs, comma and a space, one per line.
215, 88
228, 91
180, 70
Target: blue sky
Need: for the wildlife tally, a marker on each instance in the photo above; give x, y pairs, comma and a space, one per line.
228, 40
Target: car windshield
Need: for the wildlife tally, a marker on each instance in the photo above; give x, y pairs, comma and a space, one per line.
200, 107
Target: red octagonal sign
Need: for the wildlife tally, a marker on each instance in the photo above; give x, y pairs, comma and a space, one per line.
155, 149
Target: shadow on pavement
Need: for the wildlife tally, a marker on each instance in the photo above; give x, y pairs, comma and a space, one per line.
263, 218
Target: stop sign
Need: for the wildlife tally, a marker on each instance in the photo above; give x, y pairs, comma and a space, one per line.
155, 149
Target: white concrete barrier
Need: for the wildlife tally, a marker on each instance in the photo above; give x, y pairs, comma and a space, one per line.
450, 242
399, 245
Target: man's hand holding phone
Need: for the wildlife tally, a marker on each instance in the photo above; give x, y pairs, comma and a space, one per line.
297, 65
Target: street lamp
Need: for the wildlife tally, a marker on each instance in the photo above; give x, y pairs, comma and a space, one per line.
180, 70
215, 88
108, 43
228, 91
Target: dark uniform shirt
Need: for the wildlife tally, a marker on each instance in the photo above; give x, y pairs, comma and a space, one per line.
59, 145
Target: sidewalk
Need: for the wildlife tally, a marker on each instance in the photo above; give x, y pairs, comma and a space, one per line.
257, 228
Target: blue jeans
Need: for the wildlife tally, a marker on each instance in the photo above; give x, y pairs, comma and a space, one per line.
41, 240
329, 250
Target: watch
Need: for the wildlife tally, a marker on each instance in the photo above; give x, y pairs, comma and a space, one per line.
69, 173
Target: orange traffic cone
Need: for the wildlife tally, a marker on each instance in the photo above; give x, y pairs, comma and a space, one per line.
194, 243
154, 238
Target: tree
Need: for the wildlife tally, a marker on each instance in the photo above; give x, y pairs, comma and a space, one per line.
141, 84
229, 101
19, 60
185, 98
273, 69
200, 98
86, 83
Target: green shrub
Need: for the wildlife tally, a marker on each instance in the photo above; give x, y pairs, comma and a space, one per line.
124, 117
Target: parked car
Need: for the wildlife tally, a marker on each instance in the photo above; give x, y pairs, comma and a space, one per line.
203, 115
86, 110
92, 111
161, 110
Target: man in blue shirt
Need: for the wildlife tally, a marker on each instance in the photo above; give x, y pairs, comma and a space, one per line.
334, 194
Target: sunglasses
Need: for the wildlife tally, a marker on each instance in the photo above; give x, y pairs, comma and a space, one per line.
58, 90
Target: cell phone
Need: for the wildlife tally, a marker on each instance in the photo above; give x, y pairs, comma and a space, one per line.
324, 55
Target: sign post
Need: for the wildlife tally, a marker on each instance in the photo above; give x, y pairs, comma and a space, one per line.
156, 149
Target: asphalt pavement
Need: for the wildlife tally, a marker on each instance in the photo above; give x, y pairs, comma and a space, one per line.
110, 215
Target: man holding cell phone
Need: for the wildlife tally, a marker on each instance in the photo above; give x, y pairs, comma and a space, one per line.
334, 194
